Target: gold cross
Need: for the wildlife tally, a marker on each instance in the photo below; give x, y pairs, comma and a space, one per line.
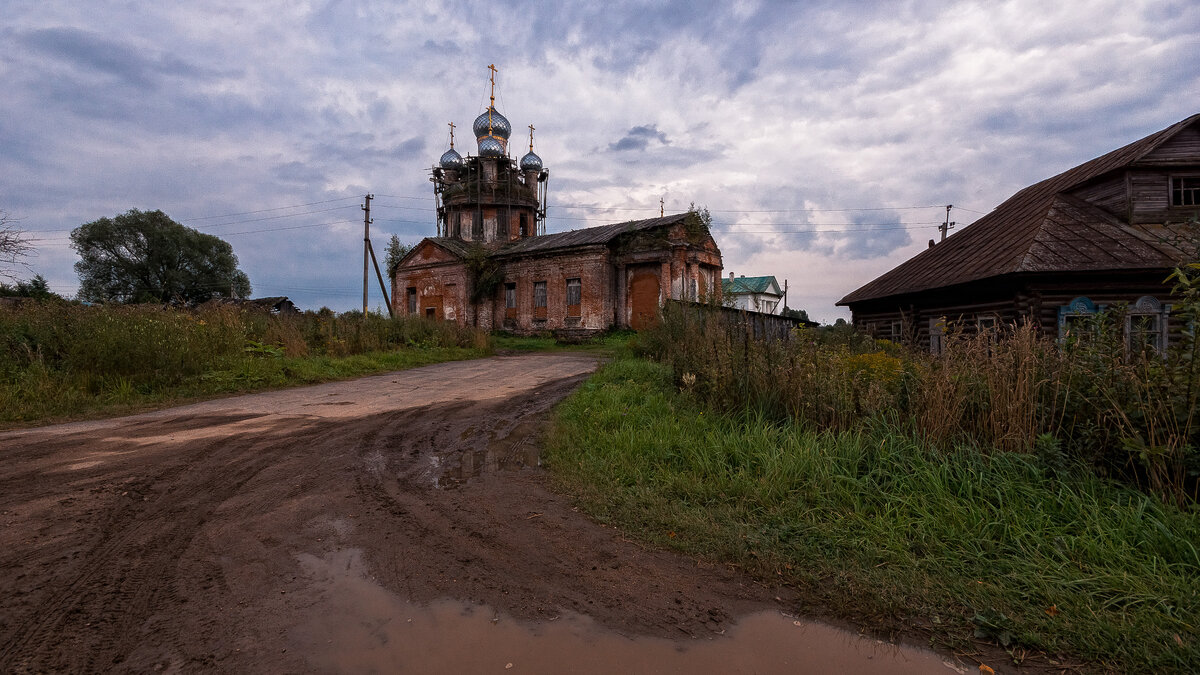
531, 138
451, 135
492, 67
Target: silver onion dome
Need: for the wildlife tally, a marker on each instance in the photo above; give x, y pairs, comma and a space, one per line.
490, 146
451, 159
531, 162
499, 124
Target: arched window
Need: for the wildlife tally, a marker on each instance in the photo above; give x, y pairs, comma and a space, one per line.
1076, 318
1146, 325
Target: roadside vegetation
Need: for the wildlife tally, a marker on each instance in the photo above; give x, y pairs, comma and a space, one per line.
61, 360
1038, 495
872, 524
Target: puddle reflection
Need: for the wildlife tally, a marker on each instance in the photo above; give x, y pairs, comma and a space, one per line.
359, 626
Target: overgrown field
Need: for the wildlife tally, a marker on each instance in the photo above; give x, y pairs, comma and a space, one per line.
951, 539
60, 360
1091, 400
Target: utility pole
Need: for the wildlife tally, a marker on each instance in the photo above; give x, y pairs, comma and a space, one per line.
366, 207
948, 225
661, 211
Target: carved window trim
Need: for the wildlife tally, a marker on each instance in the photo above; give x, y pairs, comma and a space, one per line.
1146, 324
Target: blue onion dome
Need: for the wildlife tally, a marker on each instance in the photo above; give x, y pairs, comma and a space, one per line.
531, 162
490, 146
451, 159
500, 125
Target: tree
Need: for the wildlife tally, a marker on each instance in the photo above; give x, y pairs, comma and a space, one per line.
37, 288
144, 256
395, 252
801, 314
13, 247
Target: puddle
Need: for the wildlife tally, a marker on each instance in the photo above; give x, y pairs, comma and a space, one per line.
358, 626
515, 451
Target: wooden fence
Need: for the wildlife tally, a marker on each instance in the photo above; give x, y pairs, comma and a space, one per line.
755, 325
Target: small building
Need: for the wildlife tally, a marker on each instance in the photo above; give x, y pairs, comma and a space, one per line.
753, 294
1106, 233
491, 264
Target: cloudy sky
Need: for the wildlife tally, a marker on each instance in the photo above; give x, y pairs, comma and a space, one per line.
824, 137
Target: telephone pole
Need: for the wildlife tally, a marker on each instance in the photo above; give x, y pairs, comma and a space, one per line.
366, 207
948, 225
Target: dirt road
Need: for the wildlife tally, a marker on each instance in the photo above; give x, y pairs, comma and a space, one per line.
262, 533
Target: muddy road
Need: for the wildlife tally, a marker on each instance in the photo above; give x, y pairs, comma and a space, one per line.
319, 529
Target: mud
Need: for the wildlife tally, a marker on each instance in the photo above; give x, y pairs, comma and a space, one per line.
290, 531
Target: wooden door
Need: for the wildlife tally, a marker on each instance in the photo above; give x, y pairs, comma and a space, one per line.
643, 293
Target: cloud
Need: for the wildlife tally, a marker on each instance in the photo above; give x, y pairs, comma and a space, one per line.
638, 138
771, 114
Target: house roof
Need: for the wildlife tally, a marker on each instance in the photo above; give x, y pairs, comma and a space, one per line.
1038, 229
739, 285
601, 234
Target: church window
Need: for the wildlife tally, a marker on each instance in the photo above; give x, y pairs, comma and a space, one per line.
510, 295
524, 225
539, 300
574, 293
412, 300
477, 226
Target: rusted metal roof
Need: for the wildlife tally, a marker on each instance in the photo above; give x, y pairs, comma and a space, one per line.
1039, 229
558, 241
602, 234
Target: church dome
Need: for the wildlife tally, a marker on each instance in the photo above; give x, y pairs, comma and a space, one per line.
490, 146
531, 162
451, 159
499, 124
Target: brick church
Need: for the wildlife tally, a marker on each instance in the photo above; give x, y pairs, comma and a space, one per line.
492, 265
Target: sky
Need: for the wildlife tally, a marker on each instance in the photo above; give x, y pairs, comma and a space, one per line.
825, 138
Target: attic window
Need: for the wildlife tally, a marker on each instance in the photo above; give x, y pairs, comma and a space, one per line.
1185, 191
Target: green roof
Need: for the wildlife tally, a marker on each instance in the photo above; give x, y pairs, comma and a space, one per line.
740, 285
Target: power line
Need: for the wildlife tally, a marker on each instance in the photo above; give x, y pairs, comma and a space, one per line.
277, 208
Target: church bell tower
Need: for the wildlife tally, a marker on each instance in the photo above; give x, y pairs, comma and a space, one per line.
489, 197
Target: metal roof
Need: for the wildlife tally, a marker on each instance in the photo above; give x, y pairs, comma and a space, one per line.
738, 285
545, 243
1039, 229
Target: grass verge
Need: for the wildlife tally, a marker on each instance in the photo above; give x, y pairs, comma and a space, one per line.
38, 396
872, 526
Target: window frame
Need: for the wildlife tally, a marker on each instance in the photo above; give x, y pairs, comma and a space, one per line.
574, 309
1148, 307
1185, 192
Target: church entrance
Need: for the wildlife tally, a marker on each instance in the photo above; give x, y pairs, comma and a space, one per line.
643, 293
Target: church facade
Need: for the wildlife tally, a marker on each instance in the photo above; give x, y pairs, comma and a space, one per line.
492, 265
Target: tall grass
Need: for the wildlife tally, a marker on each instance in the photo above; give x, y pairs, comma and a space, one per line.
58, 358
1087, 401
876, 524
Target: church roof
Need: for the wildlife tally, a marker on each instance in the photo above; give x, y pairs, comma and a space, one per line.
1038, 229
601, 234
544, 243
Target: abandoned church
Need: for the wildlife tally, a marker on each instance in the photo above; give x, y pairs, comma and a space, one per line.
492, 265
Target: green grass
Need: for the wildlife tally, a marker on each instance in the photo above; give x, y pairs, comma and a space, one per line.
871, 525
613, 342
38, 396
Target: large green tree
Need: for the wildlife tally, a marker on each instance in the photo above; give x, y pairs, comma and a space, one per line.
144, 256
